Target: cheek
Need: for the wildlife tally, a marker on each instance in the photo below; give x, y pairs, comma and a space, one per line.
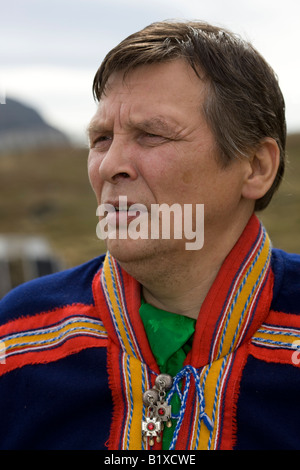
93, 174
187, 177
171, 182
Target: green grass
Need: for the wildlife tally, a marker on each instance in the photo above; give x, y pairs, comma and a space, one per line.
47, 193
282, 217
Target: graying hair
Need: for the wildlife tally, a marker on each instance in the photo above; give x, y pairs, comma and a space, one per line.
244, 103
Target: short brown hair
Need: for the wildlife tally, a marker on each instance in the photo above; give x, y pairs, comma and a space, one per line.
244, 104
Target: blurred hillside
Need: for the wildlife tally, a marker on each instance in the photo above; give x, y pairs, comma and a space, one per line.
22, 127
47, 193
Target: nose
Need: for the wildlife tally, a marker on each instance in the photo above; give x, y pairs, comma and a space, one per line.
118, 162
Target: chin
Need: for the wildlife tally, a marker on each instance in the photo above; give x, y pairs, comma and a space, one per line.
127, 251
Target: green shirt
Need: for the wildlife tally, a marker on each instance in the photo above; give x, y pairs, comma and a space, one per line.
170, 337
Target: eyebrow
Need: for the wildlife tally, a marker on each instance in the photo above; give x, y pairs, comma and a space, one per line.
94, 127
155, 124
152, 125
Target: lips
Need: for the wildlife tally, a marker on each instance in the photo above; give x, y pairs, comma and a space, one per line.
121, 211
123, 205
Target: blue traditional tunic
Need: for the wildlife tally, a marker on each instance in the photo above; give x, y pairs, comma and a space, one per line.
75, 359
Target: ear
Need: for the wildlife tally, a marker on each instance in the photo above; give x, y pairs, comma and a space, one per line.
262, 169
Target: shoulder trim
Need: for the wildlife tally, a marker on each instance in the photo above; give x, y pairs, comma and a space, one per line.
278, 339
49, 336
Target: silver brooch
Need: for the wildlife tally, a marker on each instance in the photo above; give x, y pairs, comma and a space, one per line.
159, 412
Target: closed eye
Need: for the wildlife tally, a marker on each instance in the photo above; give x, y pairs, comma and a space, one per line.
102, 142
149, 139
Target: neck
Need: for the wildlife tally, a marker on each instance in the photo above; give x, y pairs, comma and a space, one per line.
184, 298
175, 287
180, 284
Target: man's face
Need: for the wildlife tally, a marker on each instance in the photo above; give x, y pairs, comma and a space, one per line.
149, 141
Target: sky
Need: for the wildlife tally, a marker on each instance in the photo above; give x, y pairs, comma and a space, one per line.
51, 49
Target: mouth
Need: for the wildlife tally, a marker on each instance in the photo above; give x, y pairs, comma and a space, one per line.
122, 211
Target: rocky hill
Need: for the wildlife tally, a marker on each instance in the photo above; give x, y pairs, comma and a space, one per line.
23, 128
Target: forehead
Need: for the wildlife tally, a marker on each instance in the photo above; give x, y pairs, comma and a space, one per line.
167, 90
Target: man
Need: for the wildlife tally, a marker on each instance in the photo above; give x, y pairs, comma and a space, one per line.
155, 345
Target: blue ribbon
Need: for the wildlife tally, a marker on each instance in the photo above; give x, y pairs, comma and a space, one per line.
187, 372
